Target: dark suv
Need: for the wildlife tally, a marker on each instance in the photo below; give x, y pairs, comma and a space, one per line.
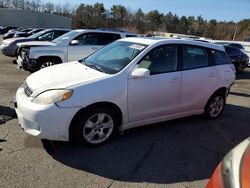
238, 58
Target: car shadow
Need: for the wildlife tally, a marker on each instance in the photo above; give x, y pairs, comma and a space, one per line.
174, 151
6, 114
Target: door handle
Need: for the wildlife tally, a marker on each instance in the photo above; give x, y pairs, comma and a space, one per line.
94, 48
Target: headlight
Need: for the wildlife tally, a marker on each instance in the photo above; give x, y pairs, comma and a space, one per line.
52, 96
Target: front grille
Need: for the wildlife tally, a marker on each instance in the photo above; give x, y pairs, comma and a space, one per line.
27, 90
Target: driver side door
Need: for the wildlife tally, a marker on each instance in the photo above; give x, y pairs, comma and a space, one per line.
158, 94
87, 44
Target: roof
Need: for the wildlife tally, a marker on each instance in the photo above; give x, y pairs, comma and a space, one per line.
154, 40
103, 31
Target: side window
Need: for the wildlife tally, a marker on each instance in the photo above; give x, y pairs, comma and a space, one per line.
160, 60
194, 57
106, 38
232, 51
87, 39
220, 58
47, 36
131, 36
58, 33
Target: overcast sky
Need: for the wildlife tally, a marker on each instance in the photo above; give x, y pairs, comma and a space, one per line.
228, 10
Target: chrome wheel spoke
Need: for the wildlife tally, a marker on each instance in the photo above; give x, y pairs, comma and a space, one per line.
90, 124
91, 135
102, 135
107, 125
100, 118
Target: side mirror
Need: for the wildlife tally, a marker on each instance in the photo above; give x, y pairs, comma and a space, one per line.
140, 73
74, 42
40, 38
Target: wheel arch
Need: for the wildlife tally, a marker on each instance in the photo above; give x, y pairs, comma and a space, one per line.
50, 57
94, 105
222, 90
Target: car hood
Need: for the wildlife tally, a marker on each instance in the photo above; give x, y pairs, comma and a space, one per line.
16, 40
8, 41
62, 76
35, 43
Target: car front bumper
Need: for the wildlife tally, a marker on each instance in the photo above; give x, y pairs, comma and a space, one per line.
11, 52
44, 121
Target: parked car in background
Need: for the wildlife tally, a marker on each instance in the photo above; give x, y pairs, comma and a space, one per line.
238, 46
238, 58
4, 29
234, 170
10, 34
247, 39
128, 83
27, 34
9, 47
72, 46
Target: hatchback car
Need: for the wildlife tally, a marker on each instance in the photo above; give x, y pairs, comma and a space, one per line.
128, 83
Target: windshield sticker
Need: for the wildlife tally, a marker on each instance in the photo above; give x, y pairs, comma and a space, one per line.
137, 47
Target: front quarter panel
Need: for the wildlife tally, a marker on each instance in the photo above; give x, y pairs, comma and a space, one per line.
112, 89
36, 52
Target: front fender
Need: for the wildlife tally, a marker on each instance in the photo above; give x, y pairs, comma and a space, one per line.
35, 54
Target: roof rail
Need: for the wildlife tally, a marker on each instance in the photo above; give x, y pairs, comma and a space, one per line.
107, 29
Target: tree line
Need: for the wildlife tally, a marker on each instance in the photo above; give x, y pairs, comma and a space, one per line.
120, 17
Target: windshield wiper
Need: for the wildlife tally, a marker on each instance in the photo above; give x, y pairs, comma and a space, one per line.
96, 67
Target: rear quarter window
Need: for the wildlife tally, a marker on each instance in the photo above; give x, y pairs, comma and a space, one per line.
220, 58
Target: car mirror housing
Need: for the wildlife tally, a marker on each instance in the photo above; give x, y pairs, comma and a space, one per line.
74, 42
140, 73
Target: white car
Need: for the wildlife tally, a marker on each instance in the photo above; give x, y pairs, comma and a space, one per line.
71, 46
128, 83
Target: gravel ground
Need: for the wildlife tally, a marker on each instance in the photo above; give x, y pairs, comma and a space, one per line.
176, 154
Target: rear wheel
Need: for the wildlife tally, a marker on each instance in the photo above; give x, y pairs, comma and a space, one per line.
239, 68
215, 106
95, 126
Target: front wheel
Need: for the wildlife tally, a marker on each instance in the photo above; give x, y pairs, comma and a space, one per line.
46, 62
215, 106
95, 126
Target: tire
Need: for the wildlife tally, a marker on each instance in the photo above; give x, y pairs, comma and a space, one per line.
239, 68
46, 62
94, 126
215, 106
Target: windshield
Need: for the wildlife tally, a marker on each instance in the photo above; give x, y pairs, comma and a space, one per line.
38, 34
114, 57
64, 38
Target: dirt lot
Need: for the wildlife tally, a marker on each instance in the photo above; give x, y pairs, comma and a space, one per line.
178, 154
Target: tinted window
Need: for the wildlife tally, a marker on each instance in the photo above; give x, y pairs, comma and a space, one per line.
220, 58
239, 46
131, 36
47, 36
105, 38
87, 39
160, 60
59, 33
194, 57
232, 51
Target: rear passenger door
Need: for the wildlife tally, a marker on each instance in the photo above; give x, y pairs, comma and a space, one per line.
199, 78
